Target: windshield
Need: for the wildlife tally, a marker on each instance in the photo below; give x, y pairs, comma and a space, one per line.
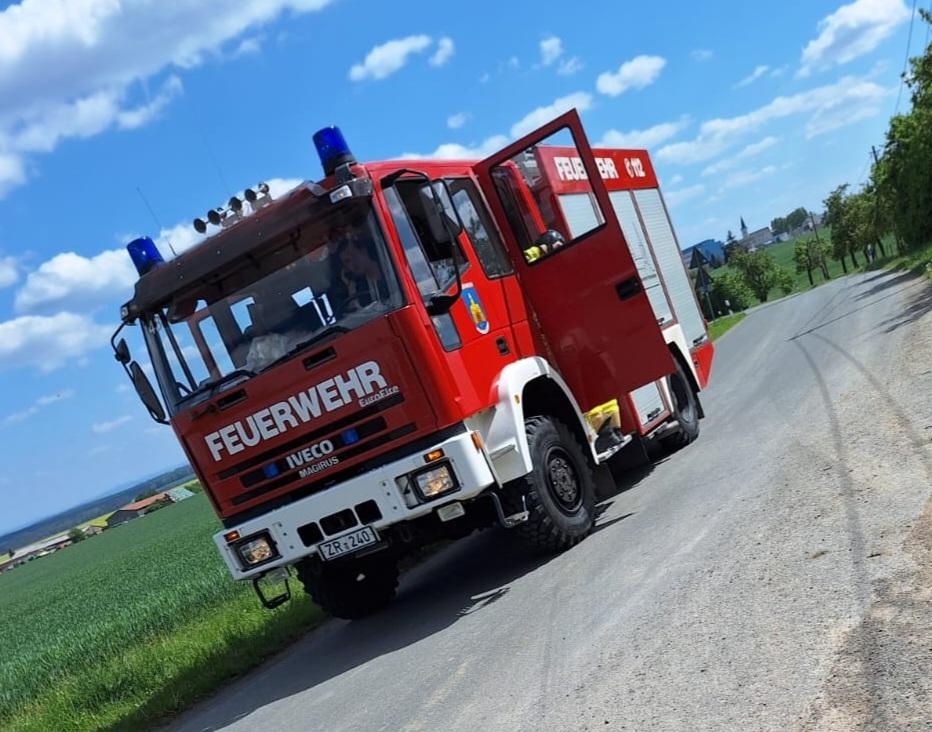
330, 276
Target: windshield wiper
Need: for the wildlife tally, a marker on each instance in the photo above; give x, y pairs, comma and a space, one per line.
325, 334
212, 387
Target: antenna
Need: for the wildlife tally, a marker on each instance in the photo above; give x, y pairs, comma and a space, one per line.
156, 219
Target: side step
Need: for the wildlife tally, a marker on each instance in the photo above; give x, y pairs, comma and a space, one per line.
509, 522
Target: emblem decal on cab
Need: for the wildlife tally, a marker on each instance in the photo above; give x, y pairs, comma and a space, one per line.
474, 308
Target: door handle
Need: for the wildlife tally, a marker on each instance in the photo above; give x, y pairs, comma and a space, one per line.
628, 288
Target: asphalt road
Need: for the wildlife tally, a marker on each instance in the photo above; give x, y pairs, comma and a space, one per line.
774, 575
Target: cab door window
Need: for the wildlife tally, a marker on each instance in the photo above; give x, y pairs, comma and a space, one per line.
478, 228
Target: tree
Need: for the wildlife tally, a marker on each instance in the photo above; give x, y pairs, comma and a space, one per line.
903, 175
76, 535
803, 250
838, 217
779, 225
731, 290
731, 245
796, 218
759, 270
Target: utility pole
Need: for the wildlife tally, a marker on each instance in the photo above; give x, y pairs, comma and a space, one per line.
896, 235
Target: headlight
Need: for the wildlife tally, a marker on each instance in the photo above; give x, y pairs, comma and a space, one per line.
256, 550
435, 481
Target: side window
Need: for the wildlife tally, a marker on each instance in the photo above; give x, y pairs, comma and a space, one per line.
562, 204
417, 262
479, 228
430, 232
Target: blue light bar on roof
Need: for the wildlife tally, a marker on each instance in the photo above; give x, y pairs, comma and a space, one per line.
332, 149
145, 254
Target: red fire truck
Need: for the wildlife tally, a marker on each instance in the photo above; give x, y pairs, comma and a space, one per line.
410, 350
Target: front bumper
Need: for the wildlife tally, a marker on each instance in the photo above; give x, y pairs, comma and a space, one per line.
353, 502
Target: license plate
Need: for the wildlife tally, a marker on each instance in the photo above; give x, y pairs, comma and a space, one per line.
348, 543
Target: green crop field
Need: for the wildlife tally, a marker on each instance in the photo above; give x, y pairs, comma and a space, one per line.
122, 628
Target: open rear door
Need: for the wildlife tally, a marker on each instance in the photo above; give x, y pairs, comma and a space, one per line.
575, 268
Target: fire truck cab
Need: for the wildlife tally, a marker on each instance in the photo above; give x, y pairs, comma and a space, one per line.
406, 351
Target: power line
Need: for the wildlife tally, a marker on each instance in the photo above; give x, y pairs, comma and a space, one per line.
909, 39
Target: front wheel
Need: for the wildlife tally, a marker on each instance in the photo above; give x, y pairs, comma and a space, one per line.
685, 410
559, 491
353, 588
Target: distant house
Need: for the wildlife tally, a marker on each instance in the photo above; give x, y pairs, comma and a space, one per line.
37, 549
136, 509
92, 530
179, 494
712, 249
756, 239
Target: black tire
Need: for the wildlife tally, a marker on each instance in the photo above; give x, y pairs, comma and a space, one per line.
685, 411
351, 589
559, 490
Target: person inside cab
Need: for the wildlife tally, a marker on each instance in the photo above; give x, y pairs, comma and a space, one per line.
360, 281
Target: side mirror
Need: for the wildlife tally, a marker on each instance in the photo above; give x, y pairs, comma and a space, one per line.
441, 304
146, 393
121, 352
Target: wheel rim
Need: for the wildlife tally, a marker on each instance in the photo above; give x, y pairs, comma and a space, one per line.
563, 480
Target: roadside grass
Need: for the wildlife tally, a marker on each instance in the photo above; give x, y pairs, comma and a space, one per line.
124, 628
918, 261
720, 326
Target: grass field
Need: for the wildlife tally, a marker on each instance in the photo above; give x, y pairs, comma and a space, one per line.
125, 627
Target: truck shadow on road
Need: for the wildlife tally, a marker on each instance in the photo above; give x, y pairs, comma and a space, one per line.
456, 583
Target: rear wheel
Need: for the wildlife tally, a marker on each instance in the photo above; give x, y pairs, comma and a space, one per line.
685, 410
353, 588
559, 491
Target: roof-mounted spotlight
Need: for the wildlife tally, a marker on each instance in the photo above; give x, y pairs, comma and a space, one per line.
200, 226
250, 195
213, 216
235, 204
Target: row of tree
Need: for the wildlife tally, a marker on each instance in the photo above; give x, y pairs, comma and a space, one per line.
896, 200
898, 197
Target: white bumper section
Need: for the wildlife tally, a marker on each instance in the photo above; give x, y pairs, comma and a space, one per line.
469, 464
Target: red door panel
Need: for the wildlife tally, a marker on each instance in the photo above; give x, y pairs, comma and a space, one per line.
581, 281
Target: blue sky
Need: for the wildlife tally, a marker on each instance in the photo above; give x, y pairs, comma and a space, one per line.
109, 104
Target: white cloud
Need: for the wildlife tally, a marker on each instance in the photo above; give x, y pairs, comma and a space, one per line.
101, 428
746, 177
8, 272
77, 69
639, 72
582, 101
443, 53
455, 151
749, 151
455, 121
676, 180
248, 46
384, 60
570, 66
72, 279
646, 138
701, 54
550, 50
832, 106
683, 194
37, 406
758, 72
49, 342
850, 32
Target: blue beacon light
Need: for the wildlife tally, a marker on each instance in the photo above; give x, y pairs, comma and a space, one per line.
145, 254
332, 149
